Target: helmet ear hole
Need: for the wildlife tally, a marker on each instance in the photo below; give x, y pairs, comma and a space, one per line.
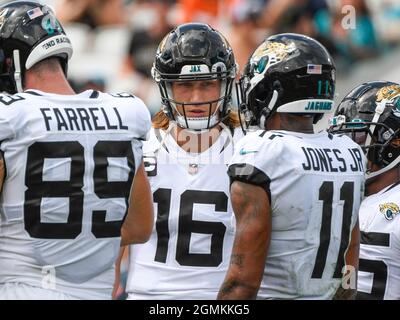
221, 55
278, 87
166, 55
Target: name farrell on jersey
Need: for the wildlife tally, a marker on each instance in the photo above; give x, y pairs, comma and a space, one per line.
82, 119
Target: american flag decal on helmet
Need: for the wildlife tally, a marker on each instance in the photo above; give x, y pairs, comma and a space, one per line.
314, 69
34, 13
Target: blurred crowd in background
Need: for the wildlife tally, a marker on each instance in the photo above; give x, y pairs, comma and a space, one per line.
115, 40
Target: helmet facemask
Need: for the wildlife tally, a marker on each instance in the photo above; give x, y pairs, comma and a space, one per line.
7, 83
194, 52
379, 137
260, 96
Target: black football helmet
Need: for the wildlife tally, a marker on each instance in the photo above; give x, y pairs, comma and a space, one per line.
194, 52
370, 115
29, 33
289, 73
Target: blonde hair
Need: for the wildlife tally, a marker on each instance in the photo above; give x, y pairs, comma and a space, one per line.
161, 121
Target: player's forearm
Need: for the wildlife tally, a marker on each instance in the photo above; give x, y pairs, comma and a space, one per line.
353, 252
245, 270
138, 223
117, 280
253, 227
345, 294
238, 283
137, 227
348, 288
234, 288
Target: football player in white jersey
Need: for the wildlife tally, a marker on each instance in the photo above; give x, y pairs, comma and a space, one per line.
295, 194
186, 158
371, 113
73, 163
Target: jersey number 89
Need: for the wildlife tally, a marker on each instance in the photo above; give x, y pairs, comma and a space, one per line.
38, 188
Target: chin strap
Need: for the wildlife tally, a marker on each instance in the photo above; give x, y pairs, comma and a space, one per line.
17, 72
268, 110
378, 111
173, 124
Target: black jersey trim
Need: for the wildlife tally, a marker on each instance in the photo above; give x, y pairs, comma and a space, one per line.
246, 173
262, 134
34, 93
375, 239
393, 186
95, 94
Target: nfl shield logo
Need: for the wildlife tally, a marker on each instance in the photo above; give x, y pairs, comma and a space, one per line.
193, 168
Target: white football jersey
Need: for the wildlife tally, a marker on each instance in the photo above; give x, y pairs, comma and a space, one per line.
188, 253
315, 184
70, 162
379, 269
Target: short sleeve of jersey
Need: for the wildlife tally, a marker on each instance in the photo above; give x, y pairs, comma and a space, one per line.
142, 129
254, 160
6, 130
137, 146
136, 116
135, 113
144, 120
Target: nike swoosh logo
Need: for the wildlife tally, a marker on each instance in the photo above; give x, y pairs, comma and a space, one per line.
243, 152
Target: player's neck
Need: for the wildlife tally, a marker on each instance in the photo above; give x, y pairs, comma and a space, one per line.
289, 122
382, 181
195, 142
52, 83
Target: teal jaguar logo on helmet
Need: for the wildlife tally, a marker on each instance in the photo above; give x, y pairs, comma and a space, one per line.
262, 64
